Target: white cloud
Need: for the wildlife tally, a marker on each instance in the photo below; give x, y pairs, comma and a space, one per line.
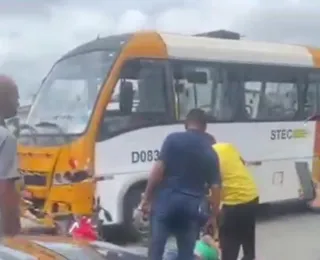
34, 34
131, 20
5, 50
290, 21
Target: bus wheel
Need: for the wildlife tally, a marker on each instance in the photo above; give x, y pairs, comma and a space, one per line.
111, 234
108, 233
131, 202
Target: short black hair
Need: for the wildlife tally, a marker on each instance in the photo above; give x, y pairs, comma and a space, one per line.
197, 116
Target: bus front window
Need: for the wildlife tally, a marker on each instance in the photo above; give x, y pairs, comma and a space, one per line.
67, 96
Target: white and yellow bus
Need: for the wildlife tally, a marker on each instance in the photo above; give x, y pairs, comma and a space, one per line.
106, 106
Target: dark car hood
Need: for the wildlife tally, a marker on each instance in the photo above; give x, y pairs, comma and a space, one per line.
42, 247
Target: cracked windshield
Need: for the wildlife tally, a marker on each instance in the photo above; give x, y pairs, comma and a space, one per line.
67, 96
160, 130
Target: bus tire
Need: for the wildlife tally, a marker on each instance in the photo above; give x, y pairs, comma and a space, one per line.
111, 234
108, 233
131, 201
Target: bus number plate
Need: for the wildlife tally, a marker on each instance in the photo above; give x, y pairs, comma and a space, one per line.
144, 156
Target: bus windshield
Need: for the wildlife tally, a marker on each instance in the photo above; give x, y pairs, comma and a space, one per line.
67, 96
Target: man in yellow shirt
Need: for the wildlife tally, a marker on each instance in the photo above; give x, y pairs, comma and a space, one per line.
239, 202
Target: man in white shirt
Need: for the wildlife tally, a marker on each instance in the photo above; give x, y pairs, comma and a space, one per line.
9, 175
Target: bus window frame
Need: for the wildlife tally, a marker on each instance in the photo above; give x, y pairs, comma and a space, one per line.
238, 116
219, 67
168, 95
304, 98
70, 137
114, 43
298, 81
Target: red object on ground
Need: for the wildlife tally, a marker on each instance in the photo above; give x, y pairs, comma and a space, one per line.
84, 230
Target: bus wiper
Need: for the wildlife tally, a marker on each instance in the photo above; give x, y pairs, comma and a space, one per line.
33, 131
50, 124
28, 127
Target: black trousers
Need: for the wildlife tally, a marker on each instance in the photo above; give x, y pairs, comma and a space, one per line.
237, 226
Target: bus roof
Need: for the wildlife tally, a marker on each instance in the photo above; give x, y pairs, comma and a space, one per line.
176, 46
106, 43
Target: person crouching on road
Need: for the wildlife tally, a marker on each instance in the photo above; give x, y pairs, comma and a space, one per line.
206, 248
239, 198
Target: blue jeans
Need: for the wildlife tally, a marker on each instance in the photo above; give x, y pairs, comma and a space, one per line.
177, 216
186, 239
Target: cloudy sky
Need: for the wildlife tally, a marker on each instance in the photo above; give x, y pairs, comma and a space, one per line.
34, 33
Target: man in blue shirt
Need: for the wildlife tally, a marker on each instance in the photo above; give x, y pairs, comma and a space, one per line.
177, 185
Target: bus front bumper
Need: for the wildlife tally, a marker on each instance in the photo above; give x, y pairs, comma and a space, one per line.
60, 202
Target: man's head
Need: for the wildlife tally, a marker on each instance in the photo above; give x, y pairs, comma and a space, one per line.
196, 120
9, 97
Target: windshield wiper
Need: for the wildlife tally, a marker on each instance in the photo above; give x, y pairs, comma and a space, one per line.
33, 131
50, 124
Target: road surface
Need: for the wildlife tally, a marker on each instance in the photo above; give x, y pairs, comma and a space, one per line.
285, 232
291, 233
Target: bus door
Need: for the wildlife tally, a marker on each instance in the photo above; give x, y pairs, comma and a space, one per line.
130, 135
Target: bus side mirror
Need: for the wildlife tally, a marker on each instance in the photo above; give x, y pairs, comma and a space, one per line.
197, 77
126, 97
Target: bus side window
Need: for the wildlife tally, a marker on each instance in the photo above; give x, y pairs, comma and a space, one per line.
252, 95
226, 93
271, 93
312, 96
192, 84
211, 87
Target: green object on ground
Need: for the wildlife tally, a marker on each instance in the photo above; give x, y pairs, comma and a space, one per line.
205, 251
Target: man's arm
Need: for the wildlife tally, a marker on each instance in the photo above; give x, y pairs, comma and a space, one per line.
9, 195
157, 171
215, 183
155, 178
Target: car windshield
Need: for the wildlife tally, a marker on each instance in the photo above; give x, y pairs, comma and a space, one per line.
67, 96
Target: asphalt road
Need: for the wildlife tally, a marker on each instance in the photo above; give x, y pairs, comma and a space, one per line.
285, 232
289, 232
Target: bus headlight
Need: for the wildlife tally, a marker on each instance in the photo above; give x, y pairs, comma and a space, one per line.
57, 179
69, 178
